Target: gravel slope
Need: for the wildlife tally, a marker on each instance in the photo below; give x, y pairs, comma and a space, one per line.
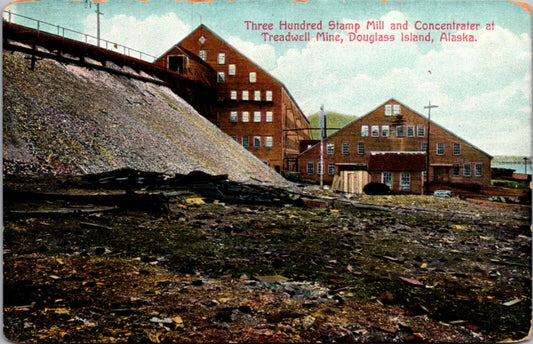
69, 119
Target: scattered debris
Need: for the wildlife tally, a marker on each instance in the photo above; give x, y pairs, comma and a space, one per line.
442, 193
224, 271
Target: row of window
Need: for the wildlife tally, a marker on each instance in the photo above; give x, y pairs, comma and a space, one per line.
400, 130
405, 180
257, 141
257, 116
386, 177
221, 76
310, 167
392, 110
467, 169
330, 150
245, 95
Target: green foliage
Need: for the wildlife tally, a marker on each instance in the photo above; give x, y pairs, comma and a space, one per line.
334, 120
510, 183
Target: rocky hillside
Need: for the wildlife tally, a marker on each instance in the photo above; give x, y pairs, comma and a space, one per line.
69, 119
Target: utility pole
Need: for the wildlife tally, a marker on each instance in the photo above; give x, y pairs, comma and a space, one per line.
429, 107
98, 13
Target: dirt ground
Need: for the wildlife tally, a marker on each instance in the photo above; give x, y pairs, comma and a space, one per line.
401, 269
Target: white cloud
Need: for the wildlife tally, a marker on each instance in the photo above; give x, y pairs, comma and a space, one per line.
262, 54
144, 35
480, 87
475, 84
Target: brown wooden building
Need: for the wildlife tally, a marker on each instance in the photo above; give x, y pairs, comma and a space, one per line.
251, 105
390, 143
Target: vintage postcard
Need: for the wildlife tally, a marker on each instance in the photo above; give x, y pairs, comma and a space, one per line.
281, 171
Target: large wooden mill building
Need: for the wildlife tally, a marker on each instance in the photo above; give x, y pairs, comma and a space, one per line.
250, 105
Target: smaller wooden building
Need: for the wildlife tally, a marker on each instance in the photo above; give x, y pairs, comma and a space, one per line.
391, 144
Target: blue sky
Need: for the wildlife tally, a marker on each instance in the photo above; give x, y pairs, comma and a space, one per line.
482, 88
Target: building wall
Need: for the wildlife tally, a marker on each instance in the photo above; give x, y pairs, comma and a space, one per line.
416, 185
251, 106
359, 143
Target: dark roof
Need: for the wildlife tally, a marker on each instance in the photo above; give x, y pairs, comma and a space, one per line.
397, 161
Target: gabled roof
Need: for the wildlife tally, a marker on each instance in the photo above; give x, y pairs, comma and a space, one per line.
415, 112
202, 26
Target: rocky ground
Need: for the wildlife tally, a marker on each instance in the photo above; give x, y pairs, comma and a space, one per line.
313, 268
66, 119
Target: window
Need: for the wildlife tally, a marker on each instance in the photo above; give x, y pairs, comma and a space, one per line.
268, 96
410, 131
257, 95
421, 131
364, 130
253, 77
360, 148
245, 141
345, 148
440, 148
269, 116
399, 131
234, 137
221, 58
244, 95
268, 142
331, 169
478, 170
203, 54
456, 149
231, 69
221, 77
233, 95
245, 116
257, 116
385, 130
424, 147
330, 148
375, 130
177, 63
386, 178
310, 167
456, 170
405, 181
257, 141
388, 110
233, 116
396, 110
466, 170
319, 168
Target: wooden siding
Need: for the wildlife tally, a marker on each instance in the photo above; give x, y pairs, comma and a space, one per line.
269, 116
358, 146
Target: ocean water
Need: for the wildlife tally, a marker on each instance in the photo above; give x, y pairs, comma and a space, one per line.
518, 168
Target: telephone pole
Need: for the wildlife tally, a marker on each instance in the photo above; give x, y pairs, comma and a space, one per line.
429, 107
98, 13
